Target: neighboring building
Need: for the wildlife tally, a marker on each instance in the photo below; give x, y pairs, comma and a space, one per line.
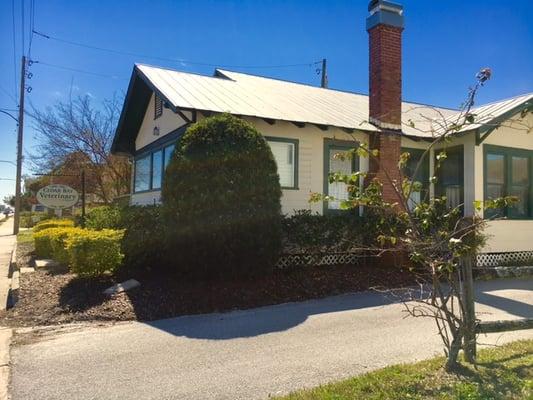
306, 126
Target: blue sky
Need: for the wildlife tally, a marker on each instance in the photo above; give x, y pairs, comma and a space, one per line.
445, 44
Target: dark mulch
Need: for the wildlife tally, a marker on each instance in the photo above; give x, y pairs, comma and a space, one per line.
49, 297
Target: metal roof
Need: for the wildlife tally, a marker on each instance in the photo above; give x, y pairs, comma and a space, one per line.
487, 115
256, 96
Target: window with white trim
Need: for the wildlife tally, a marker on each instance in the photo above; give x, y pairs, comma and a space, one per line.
285, 154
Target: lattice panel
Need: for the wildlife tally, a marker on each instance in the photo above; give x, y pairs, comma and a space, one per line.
305, 259
515, 258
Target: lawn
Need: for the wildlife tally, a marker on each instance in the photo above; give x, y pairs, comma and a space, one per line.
503, 373
25, 237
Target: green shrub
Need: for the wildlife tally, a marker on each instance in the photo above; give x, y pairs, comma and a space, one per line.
315, 233
53, 223
50, 242
28, 219
221, 201
93, 253
143, 239
104, 217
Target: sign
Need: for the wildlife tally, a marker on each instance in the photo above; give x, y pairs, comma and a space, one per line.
57, 196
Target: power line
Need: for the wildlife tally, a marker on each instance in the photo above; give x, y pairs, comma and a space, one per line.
8, 94
174, 60
76, 70
23, 25
14, 49
32, 25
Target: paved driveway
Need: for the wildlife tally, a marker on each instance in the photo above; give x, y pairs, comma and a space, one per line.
246, 354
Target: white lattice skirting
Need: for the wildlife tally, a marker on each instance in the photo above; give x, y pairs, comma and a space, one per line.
305, 259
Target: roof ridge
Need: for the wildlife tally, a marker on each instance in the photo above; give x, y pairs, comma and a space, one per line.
221, 70
530, 94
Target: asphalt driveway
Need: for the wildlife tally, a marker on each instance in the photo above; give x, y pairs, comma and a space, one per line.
244, 354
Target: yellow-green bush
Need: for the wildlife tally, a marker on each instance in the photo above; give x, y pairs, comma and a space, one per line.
93, 253
50, 242
53, 223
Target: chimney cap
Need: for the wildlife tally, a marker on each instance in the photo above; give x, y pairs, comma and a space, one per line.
378, 5
384, 12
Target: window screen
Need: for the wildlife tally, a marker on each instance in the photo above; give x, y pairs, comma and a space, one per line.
284, 154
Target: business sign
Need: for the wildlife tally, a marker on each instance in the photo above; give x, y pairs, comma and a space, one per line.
57, 196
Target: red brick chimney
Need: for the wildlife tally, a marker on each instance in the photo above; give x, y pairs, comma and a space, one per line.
385, 26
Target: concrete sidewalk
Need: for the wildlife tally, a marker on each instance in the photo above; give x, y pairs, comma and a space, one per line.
242, 355
7, 246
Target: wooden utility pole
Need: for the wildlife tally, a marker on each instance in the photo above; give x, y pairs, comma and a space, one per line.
324, 80
16, 222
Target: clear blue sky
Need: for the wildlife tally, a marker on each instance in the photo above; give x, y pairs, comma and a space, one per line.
445, 43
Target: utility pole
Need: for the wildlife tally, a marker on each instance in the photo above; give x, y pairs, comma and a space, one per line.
324, 80
16, 222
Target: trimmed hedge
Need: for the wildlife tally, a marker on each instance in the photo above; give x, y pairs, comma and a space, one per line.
104, 217
221, 201
93, 253
50, 242
86, 252
53, 223
143, 242
305, 232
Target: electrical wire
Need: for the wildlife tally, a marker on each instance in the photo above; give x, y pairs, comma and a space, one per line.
174, 60
23, 25
77, 70
8, 94
32, 25
14, 49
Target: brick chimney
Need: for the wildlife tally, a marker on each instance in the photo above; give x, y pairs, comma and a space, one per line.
385, 26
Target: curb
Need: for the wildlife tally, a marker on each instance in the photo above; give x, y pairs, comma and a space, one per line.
14, 280
5, 341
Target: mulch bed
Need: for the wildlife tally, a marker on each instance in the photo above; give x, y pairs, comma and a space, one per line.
55, 296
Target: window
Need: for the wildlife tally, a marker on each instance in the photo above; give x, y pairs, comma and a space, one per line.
157, 167
450, 176
508, 173
142, 174
422, 174
158, 107
168, 154
334, 162
149, 168
285, 153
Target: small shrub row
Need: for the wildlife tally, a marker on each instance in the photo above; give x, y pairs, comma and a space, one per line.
307, 232
29, 219
103, 217
86, 252
53, 223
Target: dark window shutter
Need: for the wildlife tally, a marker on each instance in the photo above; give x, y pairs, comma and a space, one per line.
158, 109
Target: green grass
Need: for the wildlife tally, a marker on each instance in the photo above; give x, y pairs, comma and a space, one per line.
503, 373
25, 236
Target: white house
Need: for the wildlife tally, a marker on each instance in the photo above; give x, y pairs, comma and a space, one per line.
306, 126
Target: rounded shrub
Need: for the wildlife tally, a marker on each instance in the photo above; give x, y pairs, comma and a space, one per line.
103, 217
221, 201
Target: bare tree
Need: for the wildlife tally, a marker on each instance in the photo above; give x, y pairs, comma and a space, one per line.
436, 237
75, 130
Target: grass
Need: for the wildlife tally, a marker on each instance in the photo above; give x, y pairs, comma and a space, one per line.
504, 372
25, 237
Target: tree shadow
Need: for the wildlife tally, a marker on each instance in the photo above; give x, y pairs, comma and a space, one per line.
514, 307
264, 320
81, 294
